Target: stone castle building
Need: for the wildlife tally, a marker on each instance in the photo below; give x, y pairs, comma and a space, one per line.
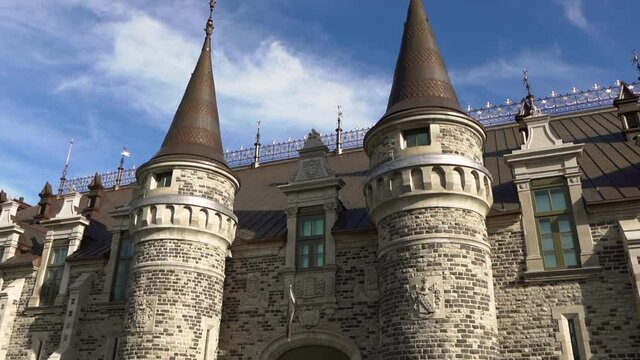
442, 234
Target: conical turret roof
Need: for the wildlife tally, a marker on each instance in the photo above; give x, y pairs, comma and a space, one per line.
195, 130
421, 78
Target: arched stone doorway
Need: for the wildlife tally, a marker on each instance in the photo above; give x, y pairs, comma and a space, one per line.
314, 353
312, 345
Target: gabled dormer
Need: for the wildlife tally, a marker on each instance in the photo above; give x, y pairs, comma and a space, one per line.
547, 177
313, 207
628, 105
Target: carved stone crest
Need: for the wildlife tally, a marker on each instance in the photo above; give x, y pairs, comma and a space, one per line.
254, 298
368, 291
309, 317
144, 315
426, 298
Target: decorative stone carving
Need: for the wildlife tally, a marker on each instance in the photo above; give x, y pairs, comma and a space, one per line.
331, 206
309, 317
254, 298
309, 287
426, 298
145, 314
368, 291
313, 160
291, 211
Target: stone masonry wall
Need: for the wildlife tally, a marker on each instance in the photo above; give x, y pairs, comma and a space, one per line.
177, 277
255, 307
29, 323
206, 185
167, 307
99, 322
461, 140
527, 329
460, 323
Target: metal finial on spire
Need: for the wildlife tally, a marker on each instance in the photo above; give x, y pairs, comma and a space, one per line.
257, 145
209, 28
124, 154
339, 131
525, 80
636, 61
63, 178
258, 132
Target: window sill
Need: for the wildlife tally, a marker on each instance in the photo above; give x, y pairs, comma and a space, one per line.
41, 310
561, 275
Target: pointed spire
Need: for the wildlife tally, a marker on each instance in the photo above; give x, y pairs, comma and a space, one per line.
625, 92
96, 182
421, 78
195, 130
47, 191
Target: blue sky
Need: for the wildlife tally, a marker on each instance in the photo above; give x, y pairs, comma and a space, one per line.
110, 73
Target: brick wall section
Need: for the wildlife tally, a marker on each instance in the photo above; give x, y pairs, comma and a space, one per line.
29, 323
205, 185
247, 328
100, 322
527, 330
460, 140
467, 328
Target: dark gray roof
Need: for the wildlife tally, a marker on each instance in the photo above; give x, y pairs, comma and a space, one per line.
610, 165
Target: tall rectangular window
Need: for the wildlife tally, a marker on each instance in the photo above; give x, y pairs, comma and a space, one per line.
310, 242
554, 220
416, 137
53, 276
1, 252
573, 334
123, 265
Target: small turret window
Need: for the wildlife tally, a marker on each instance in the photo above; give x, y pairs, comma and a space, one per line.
164, 179
416, 137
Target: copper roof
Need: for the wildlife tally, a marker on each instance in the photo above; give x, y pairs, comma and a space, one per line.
421, 78
195, 130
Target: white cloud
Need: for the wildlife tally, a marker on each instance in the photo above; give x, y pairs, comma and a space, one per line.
546, 65
148, 65
574, 11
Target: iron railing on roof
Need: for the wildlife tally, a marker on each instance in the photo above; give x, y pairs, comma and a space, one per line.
109, 179
490, 115
575, 100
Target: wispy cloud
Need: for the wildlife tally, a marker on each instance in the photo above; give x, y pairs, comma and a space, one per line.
149, 62
548, 70
574, 12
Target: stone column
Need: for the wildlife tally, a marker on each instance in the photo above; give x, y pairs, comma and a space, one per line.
429, 204
182, 235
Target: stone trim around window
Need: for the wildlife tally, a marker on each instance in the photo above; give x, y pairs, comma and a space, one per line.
545, 156
575, 313
630, 231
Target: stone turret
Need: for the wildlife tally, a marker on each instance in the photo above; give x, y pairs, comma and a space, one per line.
183, 226
428, 194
